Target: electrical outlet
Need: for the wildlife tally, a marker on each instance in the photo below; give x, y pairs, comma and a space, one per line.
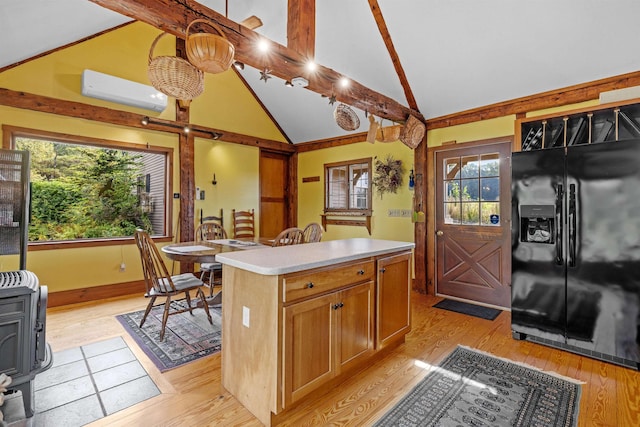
399, 213
245, 316
197, 193
123, 267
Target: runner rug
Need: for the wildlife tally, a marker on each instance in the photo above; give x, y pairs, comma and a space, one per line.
187, 337
471, 388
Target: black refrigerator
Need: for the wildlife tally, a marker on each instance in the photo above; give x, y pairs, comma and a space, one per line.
576, 249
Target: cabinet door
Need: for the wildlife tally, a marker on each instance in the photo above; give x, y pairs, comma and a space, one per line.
355, 325
393, 298
308, 346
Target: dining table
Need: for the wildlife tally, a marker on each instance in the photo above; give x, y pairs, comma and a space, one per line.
205, 251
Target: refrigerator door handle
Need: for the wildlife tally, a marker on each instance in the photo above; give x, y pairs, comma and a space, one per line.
572, 226
559, 224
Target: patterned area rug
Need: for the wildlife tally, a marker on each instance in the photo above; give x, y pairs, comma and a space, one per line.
187, 337
470, 388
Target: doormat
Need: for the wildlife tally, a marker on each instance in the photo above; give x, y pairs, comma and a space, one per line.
473, 388
470, 309
187, 337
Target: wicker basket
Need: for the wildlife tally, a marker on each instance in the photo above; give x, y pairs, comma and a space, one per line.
413, 132
211, 53
389, 133
346, 118
174, 76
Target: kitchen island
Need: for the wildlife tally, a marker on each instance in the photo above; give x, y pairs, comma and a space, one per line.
297, 320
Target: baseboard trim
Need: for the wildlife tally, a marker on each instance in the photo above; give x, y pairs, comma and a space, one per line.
74, 296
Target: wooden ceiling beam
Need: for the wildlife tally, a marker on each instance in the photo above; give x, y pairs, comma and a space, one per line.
395, 59
173, 16
301, 27
45, 104
554, 98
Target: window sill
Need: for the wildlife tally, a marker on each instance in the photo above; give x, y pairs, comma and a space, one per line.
87, 243
345, 218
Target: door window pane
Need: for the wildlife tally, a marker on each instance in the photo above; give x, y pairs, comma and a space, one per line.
472, 190
470, 213
470, 167
452, 213
469, 189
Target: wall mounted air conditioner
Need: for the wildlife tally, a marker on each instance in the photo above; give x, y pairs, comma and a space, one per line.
114, 89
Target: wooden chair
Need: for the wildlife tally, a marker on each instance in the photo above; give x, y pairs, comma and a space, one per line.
160, 283
290, 236
243, 223
212, 218
211, 231
312, 232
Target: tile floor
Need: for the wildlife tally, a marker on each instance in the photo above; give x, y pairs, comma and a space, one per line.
83, 385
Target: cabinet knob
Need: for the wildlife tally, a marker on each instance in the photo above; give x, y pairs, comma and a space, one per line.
309, 285
439, 233
382, 270
336, 306
361, 272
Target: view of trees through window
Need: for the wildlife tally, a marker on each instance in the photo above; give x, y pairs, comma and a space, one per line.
472, 190
87, 192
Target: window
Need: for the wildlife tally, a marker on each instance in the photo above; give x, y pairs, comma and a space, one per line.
472, 190
348, 186
89, 189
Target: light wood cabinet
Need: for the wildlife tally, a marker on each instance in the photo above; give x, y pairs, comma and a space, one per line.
324, 336
393, 298
287, 336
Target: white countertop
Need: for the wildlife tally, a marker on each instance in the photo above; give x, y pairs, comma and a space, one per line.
289, 259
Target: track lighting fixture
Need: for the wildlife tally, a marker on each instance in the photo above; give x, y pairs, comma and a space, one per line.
239, 65
185, 127
288, 83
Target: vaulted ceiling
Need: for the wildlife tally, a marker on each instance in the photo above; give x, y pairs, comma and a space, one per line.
424, 57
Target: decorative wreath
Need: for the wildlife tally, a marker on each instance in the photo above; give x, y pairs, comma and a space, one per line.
388, 175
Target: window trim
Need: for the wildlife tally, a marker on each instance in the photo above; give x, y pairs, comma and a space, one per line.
349, 211
9, 135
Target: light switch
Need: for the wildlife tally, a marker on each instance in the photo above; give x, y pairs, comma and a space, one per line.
245, 316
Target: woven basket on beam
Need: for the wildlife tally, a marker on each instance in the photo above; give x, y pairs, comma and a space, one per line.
211, 53
413, 132
388, 133
174, 76
346, 118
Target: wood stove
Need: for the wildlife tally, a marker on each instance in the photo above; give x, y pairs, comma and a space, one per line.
23, 350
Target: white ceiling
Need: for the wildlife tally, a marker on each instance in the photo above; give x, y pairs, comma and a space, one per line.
457, 54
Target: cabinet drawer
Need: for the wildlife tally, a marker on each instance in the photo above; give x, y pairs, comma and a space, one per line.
304, 285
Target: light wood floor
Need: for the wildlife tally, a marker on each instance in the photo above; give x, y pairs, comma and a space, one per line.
192, 394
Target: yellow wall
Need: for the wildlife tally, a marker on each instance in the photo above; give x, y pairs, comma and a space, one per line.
226, 104
486, 129
311, 194
236, 169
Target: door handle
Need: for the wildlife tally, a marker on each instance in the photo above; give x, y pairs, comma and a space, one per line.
439, 233
559, 224
572, 226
